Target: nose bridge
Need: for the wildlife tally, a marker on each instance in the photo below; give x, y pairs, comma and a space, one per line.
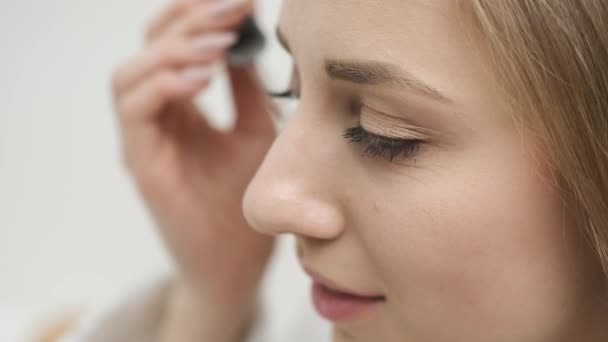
295, 189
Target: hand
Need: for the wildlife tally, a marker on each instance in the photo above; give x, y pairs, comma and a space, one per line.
191, 177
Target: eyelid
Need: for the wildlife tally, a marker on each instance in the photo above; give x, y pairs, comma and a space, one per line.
378, 146
391, 126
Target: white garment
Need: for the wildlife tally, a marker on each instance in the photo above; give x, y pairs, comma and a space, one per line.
136, 317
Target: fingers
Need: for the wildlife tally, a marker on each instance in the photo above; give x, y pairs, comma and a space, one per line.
161, 88
168, 15
206, 16
187, 41
189, 33
202, 49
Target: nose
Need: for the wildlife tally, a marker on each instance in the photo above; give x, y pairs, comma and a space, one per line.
297, 188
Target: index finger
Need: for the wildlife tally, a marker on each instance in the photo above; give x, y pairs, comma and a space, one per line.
168, 15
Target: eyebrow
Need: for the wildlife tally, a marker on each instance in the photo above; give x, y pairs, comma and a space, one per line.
373, 73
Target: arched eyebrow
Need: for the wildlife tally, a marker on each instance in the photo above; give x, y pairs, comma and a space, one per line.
367, 72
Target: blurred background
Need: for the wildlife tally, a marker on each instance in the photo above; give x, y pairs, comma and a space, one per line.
73, 231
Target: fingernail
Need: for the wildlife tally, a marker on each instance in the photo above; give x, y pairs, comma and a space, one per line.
199, 74
222, 8
211, 41
194, 75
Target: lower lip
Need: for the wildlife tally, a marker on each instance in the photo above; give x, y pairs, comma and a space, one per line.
338, 306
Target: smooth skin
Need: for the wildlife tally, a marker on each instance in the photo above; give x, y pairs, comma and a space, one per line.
466, 239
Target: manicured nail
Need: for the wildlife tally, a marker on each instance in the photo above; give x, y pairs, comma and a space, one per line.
212, 41
221, 8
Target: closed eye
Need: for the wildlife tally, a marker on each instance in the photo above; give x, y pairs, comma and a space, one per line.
379, 146
374, 145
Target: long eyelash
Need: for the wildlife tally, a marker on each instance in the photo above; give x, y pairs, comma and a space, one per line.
375, 145
379, 146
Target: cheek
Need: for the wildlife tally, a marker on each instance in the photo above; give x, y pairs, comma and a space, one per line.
480, 239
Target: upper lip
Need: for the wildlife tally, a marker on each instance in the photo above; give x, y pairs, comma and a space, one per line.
319, 278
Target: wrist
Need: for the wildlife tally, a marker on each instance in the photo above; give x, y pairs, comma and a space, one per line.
192, 317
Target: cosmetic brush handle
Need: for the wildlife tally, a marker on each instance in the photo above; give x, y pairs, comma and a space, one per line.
217, 100
250, 43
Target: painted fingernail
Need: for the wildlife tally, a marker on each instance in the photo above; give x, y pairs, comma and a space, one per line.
212, 41
221, 8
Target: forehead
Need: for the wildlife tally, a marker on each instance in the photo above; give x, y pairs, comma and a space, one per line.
359, 25
425, 37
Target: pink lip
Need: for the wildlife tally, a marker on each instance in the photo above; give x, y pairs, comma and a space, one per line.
338, 304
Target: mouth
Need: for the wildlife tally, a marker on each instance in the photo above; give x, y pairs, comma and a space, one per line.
336, 303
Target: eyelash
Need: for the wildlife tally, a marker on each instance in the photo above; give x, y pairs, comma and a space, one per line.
379, 146
287, 94
374, 145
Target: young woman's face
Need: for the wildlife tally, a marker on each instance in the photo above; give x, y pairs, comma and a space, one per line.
460, 232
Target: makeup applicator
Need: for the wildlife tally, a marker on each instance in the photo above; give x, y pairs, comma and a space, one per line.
217, 102
249, 44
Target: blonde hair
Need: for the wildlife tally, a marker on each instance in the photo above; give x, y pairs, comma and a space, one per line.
551, 58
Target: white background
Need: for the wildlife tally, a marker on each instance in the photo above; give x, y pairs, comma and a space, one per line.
72, 228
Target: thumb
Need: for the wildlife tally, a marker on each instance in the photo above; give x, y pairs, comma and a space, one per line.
253, 107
